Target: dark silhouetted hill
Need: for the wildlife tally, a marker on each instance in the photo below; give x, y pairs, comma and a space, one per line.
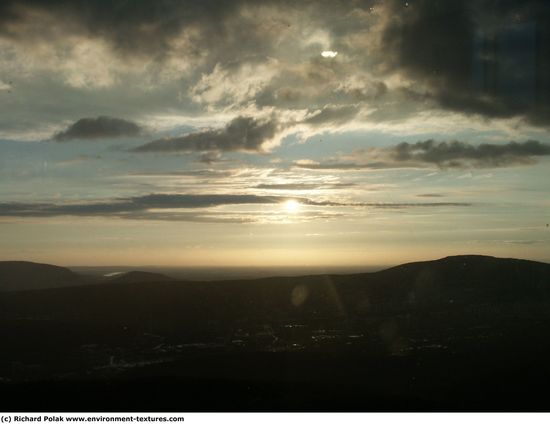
454, 279
439, 284
459, 333
17, 275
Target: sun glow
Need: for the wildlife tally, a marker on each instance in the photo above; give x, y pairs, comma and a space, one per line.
291, 206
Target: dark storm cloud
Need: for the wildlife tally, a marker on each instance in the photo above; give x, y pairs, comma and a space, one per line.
460, 154
443, 30
241, 134
482, 57
134, 204
137, 207
189, 201
430, 153
98, 128
487, 57
140, 26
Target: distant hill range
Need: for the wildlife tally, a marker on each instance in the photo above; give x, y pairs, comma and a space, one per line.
20, 275
139, 277
447, 282
458, 333
417, 279
32, 276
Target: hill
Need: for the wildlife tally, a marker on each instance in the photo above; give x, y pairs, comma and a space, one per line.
18, 275
450, 334
444, 283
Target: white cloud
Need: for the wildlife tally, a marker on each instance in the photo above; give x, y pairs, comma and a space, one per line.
223, 86
329, 53
4, 86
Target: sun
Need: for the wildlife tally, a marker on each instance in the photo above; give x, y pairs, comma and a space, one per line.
291, 206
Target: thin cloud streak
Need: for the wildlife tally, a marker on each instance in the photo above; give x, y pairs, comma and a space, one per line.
457, 154
444, 155
151, 206
303, 186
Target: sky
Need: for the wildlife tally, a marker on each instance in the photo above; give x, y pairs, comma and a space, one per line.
275, 133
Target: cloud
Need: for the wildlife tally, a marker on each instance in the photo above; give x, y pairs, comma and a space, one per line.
303, 186
134, 204
77, 160
235, 83
186, 201
139, 28
379, 205
459, 154
210, 157
98, 128
336, 165
162, 206
482, 58
430, 153
431, 195
202, 173
245, 133
525, 242
241, 134
250, 59
332, 115
5, 86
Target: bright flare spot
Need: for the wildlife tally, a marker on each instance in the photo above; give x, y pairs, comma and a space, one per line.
292, 206
328, 54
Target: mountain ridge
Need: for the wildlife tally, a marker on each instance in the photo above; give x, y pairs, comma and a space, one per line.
23, 275
424, 328
481, 263
440, 284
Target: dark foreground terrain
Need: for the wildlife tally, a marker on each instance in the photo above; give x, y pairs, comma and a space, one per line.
460, 333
